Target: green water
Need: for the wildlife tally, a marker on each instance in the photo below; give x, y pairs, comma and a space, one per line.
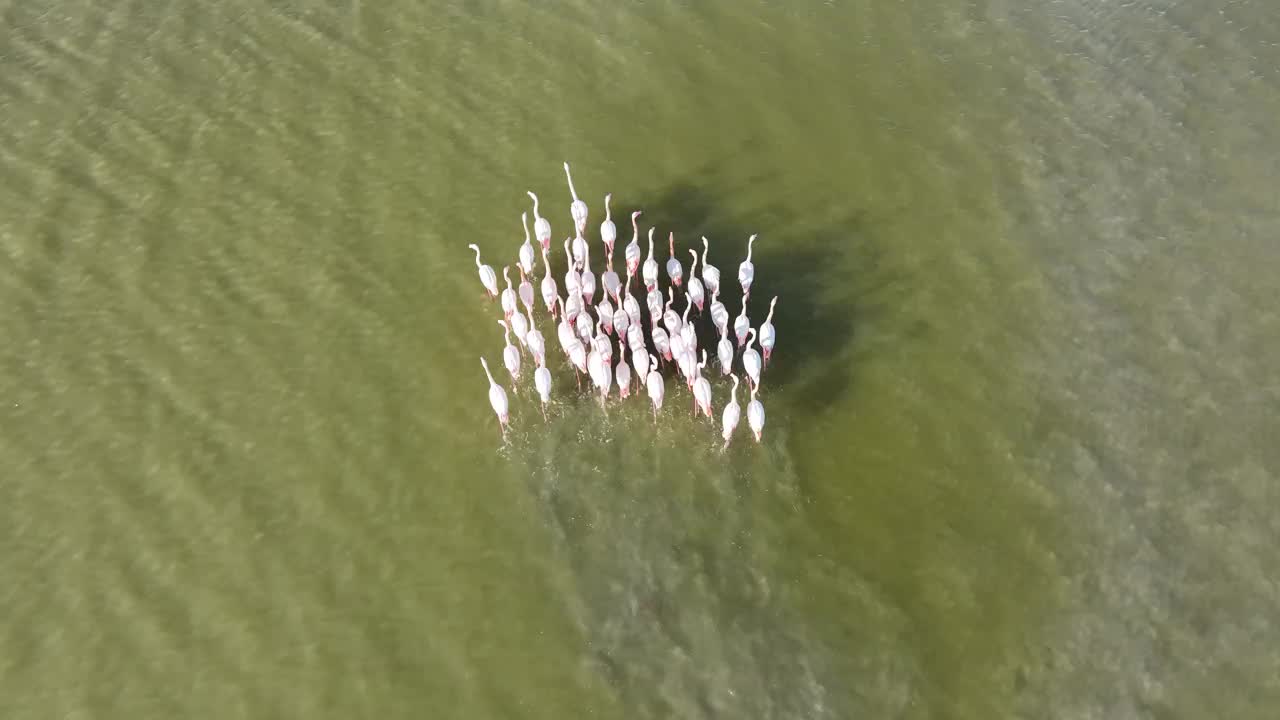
1019, 459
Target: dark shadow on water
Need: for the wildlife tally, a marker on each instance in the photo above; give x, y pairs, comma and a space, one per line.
829, 277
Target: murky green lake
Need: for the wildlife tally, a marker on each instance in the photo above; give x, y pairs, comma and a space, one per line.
1021, 453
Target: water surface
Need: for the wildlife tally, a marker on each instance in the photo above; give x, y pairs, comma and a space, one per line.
1019, 458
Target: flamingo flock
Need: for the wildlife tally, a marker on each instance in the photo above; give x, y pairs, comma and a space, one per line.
586, 327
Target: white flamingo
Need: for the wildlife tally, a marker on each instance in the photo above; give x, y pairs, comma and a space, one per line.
630, 304
579, 251
632, 253
526, 291
564, 329
755, 415
669, 316
674, 271
687, 329
487, 276
605, 310
588, 279
608, 231
536, 343
751, 360
542, 381
541, 226
621, 322
678, 349
654, 385
572, 280
623, 375
509, 294
550, 293
724, 352
654, 302
741, 323
510, 355
710, 273
526, 250
649, 272
609, 279
696, 293
719, 316
747, 271
702, 388
601, 371
768, 336
662, 342
687, 362
640, 357
520, 327
732, 411
577, 208
497, 399
585, 328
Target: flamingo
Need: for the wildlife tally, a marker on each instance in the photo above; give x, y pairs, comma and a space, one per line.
687, 363
609, 279
755, 415
677, 347
526, 291
588, 278
635, 338
536, 343
654, 301
579, 251
751, 360
653, 384
696, 293
719, 316
661, 342
498, 399
629, 303
577, 208
623, 373
526, 250
572, 281
687, 330
605, 311
550, 293
520, 327
747, 271
649, 272
767, 334
608, 231
621, 322
724, 352
669, 316
509, 294
585, 327
740, 323
601, 370
542, 381
487, 276
674, 271
603, 344
640, 356
541, 226
632, 253
573, 307
564, 329
510, 355
710, 273
732, 411
702, 388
